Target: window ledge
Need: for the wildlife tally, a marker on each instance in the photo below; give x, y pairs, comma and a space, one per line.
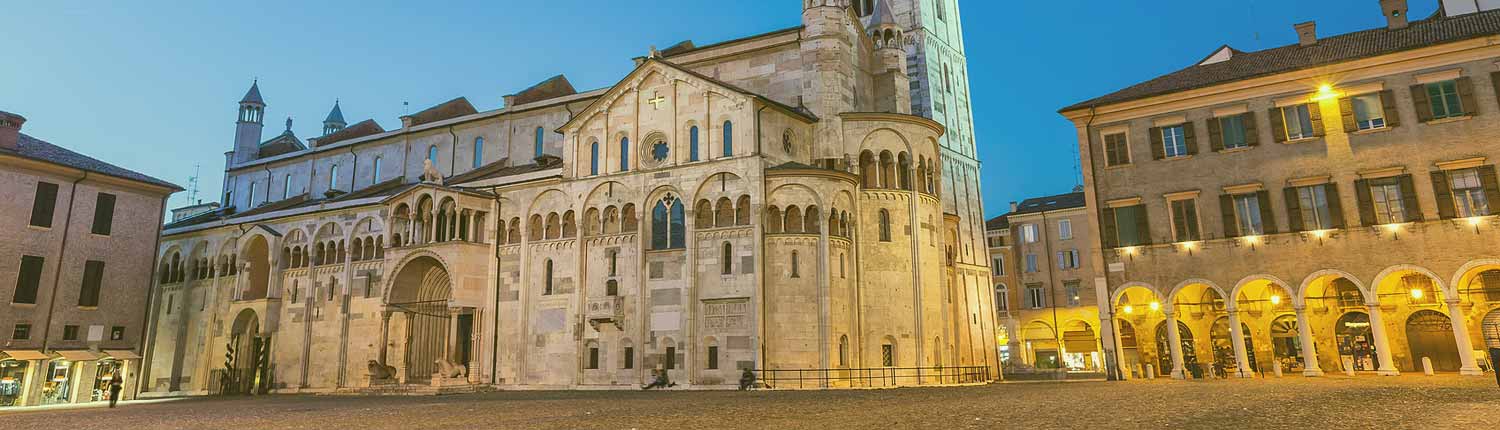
23, 305
1381, 129
88, 308
1117, 166
1235, 149
1179, 157
1301, 140
1450, 119
38, 228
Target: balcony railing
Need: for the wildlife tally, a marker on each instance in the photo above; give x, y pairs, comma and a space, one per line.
605, 310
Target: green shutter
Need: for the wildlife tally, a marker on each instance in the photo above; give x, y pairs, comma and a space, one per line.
1107, 223
1267, 216
1442, 193
1226, 210
1335, 205
1466, 95
1315, 115
1179, 221
1293, 209
1409, 200
1491, 186
1191, 208
1215, 135
1252, 133
1142, 225
1157, 151
1366, 203
1495, 82
1388, 103
1278, 125
104, 214
1421, 103
1189, 137
1346, 112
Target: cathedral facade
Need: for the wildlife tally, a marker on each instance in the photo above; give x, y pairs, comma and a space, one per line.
767, 203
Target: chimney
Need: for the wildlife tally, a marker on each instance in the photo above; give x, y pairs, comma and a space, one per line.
1395, 13
1014, 207
1307, 33
10, 130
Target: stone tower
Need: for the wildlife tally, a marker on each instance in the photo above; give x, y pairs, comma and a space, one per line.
827, 64
248, 128
335, 120
892, 86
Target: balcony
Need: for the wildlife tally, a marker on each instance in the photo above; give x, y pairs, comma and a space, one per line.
606, 310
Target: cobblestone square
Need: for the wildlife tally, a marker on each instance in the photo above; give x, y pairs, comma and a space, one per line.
1333, 402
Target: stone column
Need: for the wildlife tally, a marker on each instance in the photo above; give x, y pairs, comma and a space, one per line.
1237, 339
385, 333
1309, 351
1461, 335
1119, 352
1386, 366
1175, 343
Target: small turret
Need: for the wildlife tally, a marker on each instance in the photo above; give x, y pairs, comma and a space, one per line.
335, 120
893, 90
248, 128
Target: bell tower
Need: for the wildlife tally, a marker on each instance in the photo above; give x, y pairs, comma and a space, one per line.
892, 85
248, 128
827, 65
335, 120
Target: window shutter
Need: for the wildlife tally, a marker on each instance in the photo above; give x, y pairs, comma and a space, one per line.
44, 204
1443, 194
1191, 219
1252, 133
93, 276
1267, 216
1189, 137
1466, 95
104, 214
1491, 186
1495, 81
1179, 222
1409, 199
1215, 135
1335, 206
1107, 223
1315, 115
1388, 103
1157, 152
1293, 210
1420, 101
1346, 112
1278, 125
1366, 203
1226, 208
1142, 226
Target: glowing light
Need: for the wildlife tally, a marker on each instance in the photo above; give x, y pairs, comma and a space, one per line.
1252, 239
1320, 233
1393, 227
1155, 306
1130, 250
1474, 220
1416, 293
1275, 299
1129, 309
1325, 92
1189, 245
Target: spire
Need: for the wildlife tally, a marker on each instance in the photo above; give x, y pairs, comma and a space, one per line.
335, 120
882, 15
253, 96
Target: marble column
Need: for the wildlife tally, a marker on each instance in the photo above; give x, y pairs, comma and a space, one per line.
385, 334
1309, 351
1386, 365
1174, 340
1461, 335
1237, 339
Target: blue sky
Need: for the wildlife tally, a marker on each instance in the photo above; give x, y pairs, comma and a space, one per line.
152, 86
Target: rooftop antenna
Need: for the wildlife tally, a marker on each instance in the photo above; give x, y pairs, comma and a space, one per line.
1253, 20
192, 195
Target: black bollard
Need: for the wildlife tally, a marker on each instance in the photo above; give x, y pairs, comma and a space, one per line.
1495, 363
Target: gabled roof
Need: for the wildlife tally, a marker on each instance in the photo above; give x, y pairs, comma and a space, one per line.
502, 168
450, 109
800, 112
37, 149
680, 47
883, 14
1330, 50
383, 189
336, 115
997, 223
361, 129
285, 143
556, 86
253, 96
1049, 203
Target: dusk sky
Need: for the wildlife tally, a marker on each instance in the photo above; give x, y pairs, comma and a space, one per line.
152, 86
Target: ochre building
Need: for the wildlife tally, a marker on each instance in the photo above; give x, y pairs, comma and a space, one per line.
1327, 206
764, 203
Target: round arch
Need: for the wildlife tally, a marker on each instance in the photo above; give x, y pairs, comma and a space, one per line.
1172, 296
1253, 280
1299, 297
1120, 292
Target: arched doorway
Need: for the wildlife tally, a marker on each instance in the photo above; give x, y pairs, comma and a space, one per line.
1080, 346
1041, 345
1356, 343
1224, 348
246, 357
1286, 344
1430, 334
1164, 354
419, 298
257, 254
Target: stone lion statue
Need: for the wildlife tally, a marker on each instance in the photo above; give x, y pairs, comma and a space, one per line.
448, 369
381, 371
430, 174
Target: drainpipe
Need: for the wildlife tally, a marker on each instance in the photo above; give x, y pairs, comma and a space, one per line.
495, 332
1111, 355
62, 254
148, 324
452, 153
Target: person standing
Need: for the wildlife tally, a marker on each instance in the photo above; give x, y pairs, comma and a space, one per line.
115, 386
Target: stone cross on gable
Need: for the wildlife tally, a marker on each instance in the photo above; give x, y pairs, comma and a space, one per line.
656, 100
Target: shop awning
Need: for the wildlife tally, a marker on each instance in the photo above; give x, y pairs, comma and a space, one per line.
26, 355
78, 355
122, 354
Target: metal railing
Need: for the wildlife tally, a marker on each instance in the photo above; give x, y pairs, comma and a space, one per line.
869, 377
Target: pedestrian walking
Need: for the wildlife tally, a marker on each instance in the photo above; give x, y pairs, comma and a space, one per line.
115, 386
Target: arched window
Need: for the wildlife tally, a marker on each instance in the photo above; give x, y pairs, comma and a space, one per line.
726, 259
885, 226
538, 142
728, 138
375, 177
693, 143
333, 177
786, 142
286, 187
667, 226
624, 154
594, 158
432, 154
478, 152
844, 350
842, 273
611, 288
547, 277
796, 269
